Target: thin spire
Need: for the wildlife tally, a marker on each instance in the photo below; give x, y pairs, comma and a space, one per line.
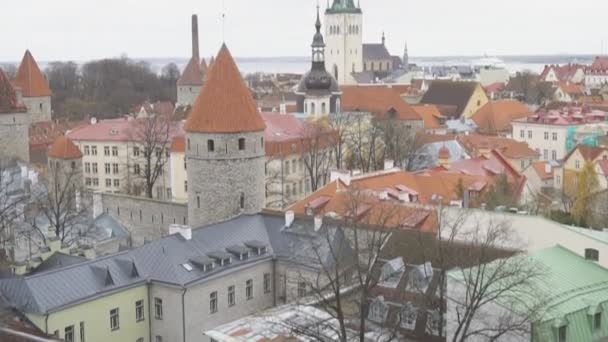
223, 22
383, 38
318, 23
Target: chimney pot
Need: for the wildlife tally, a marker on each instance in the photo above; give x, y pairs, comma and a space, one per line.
289, 217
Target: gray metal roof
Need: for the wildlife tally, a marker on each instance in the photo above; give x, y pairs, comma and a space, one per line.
58, 260
161, 260
375, 52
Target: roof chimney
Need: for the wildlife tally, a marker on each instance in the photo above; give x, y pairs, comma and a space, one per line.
195, 36
289, 217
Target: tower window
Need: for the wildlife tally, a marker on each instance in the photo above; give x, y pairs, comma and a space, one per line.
210, 145
241, 144
262, 142
188, 146
242, 200
198, 202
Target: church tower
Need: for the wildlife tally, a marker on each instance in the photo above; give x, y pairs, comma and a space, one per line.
191, 80
343, 34
224, 148
318, 92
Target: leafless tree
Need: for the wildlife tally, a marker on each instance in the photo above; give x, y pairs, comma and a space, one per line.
63, 203
481, 250
151, 136
365, 145
315, 146
337, 264
10, 204
339, 124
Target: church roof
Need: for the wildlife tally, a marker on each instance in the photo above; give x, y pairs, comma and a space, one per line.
8, 98
192, 74
343, 6
225, 104
375, 52
30, 78
64, 148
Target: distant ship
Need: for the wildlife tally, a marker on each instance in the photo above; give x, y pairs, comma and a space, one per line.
486, 61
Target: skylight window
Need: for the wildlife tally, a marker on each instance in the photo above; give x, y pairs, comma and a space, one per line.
187, 267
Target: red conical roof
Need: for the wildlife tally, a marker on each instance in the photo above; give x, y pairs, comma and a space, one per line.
8, 98
225, 104
444, 152
192, 74
30, 78
64, 148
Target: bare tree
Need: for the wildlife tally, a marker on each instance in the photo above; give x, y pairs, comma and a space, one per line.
365, 145
10, 203
151, 136
481, 248
315, 146
339, 124
335, 267
63, 203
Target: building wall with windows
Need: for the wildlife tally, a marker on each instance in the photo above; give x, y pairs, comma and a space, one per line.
96, 317
287, 180
548, 140
197, 306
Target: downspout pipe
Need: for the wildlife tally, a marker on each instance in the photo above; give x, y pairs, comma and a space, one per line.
184, 313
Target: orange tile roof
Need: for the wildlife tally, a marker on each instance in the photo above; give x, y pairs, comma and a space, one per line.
589, 153
178, 144
30, 78
496, 116
192, 74
539, 167
510, 148
378, 100
225, 104
8, 98
572, 88
430, 114
64, 148
430, 187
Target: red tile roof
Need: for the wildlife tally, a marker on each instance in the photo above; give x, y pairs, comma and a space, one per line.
30, 78
430, 114
378, 100
563, 72
192, 74
496, 116
600, 63
474, 143
566, 116
589, 153
603, 164
178, 144
571, 88
225, 104
285, 134
494, 87
8, 98
115, 130
540, 169
64, 148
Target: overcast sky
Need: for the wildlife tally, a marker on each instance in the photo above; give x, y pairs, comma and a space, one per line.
85, 29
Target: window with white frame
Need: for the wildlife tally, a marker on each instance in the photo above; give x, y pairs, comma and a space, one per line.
139, 311
114, 319
378, 310
408, 316
213, 302
267, 283
231, 295
302, 289
249, 289
158, 308
69, 334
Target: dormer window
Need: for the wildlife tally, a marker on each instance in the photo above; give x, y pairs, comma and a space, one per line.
257, 247
221, 258
391, 272
421, 276
240, 252
408, 316
378, 310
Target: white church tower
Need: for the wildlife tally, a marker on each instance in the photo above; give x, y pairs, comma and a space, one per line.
343, 36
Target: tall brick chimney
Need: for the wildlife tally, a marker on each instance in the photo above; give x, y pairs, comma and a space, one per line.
195, 37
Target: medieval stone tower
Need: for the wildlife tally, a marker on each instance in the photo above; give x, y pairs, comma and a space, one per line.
224, 148
343, 34
14, 123
33, 90
65, 164
191, 80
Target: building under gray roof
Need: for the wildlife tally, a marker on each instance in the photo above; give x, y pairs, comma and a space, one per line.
170, 260
375, 52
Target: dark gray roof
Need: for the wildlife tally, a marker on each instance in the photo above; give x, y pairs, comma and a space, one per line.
162, 261
375, 52
58, 260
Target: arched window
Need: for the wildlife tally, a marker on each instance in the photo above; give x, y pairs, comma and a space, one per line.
241, 144
338, 105
210, 145
312, 108
323, 108
305, 107
336, 72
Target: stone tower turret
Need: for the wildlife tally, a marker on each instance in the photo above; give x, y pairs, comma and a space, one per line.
14, 123
65, 170
191, 80
224, 148
34, 89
